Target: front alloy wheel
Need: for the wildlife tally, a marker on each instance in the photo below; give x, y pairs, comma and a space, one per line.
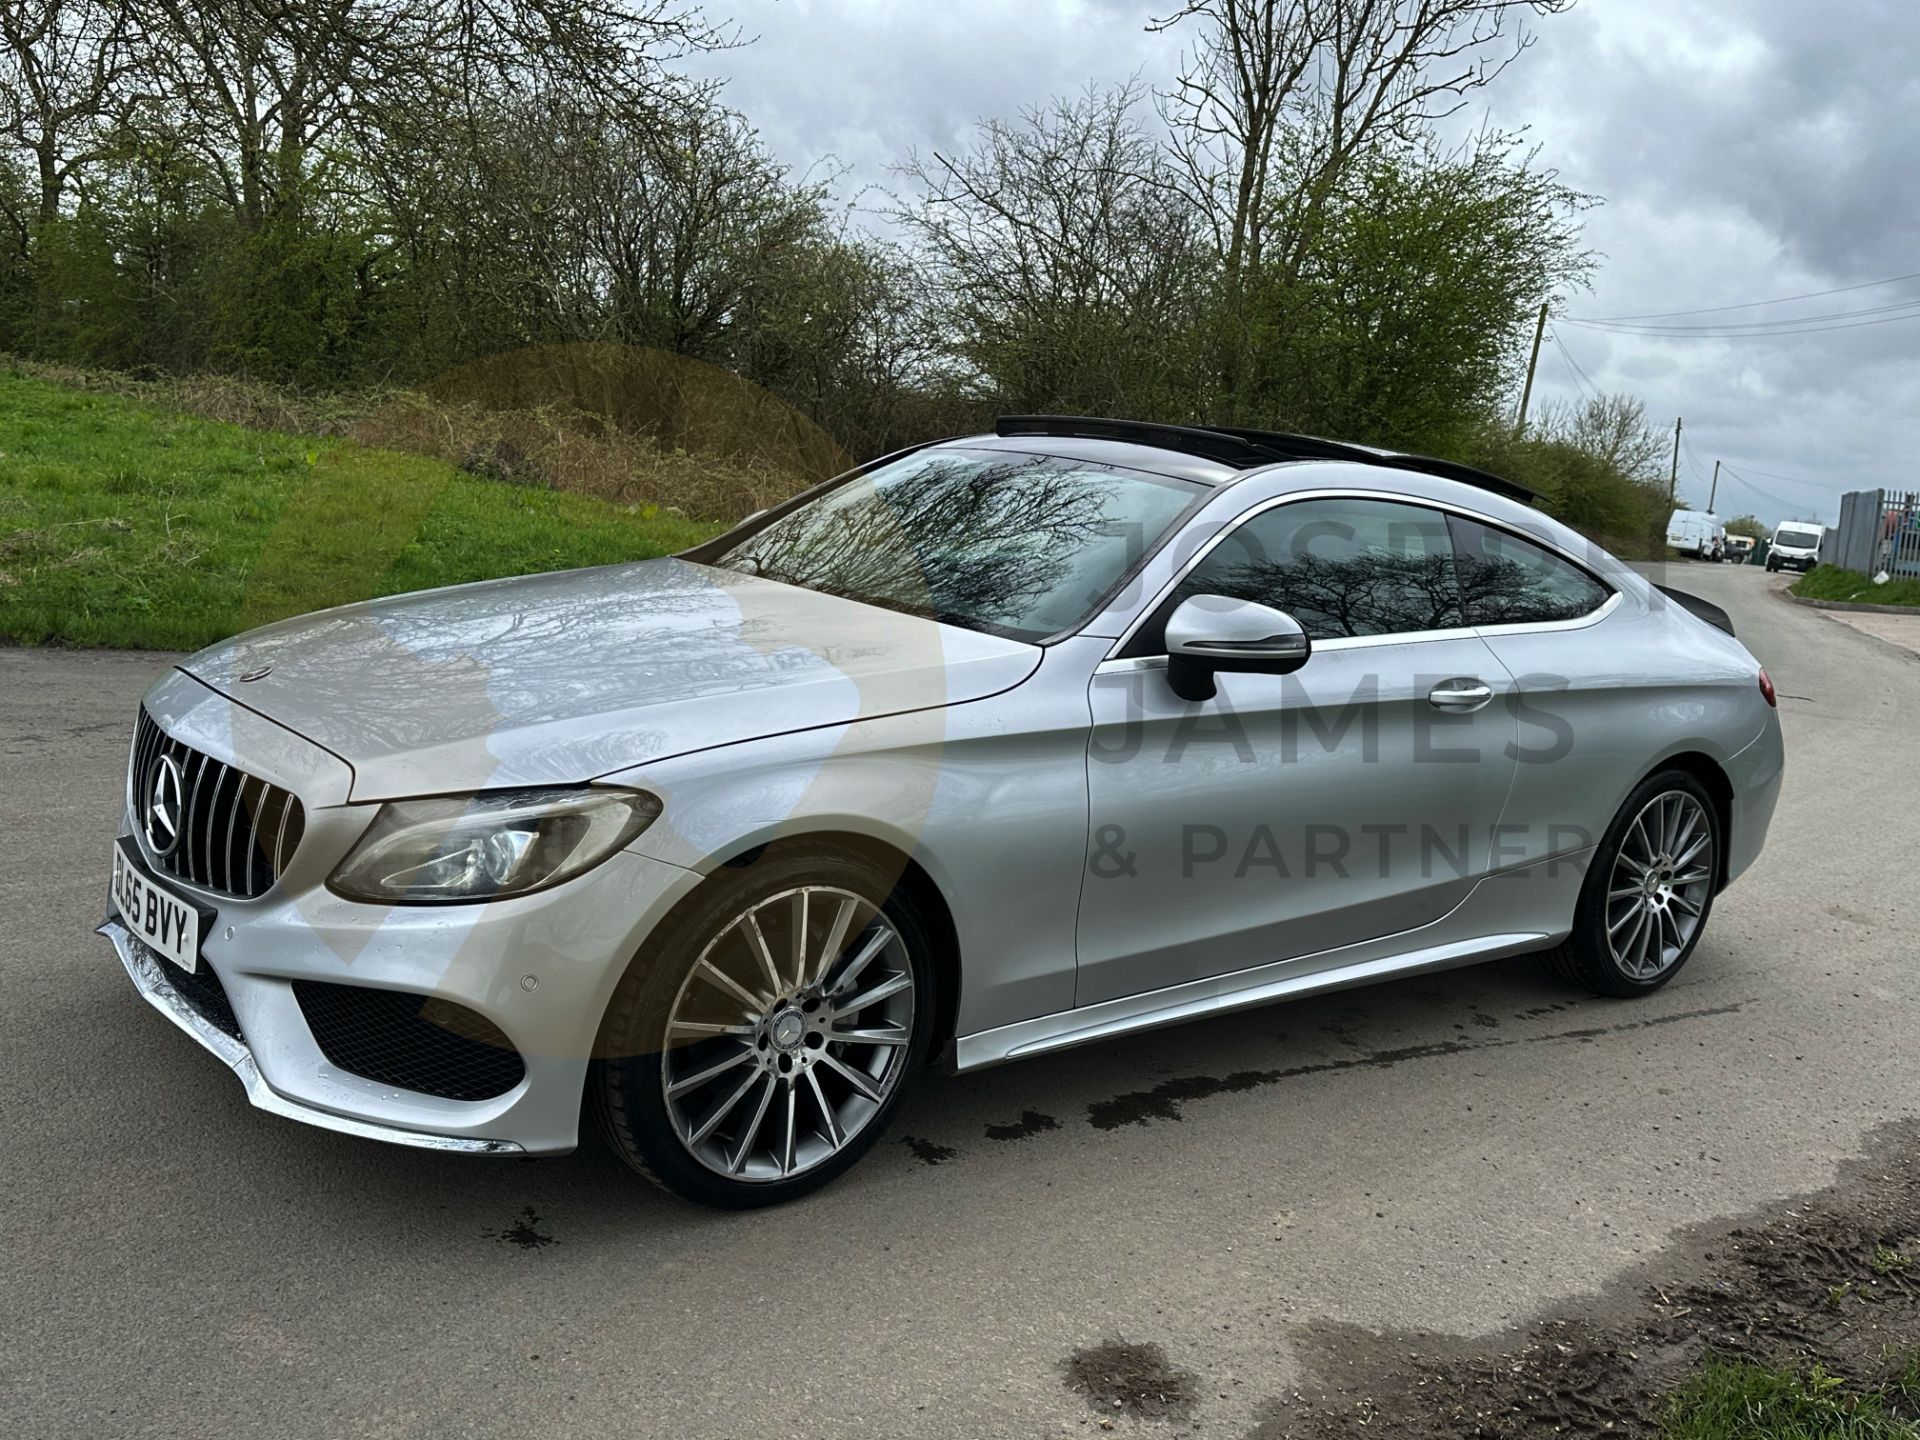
763, 1037
785, 1042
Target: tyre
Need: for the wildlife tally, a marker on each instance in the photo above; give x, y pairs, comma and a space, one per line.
1648, 891
762, 1039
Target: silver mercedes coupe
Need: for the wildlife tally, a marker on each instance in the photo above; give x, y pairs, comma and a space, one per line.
993, 746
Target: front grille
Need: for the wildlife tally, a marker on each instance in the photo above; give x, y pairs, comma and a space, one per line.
201, 989
417, 1042
235, 832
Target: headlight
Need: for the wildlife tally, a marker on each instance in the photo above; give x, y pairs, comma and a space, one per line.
486, 847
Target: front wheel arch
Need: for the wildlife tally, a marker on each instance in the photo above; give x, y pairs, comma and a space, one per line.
633, 1090
914, 879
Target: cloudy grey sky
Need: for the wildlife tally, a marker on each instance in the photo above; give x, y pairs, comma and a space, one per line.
1745, 150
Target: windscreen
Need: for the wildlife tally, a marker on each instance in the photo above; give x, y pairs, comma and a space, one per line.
1025, 546
1797, 539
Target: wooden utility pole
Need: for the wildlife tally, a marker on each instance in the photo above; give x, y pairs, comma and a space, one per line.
1533, 363
1716, 487
1673, 476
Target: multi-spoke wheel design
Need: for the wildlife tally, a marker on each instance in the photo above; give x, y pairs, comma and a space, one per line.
1661, 883
788, 1034
1649, 890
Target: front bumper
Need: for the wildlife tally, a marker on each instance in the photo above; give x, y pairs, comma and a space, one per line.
572, 943
539, 968
151, 976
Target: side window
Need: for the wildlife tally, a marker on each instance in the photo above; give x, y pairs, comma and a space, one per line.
1340, 567
1505, 580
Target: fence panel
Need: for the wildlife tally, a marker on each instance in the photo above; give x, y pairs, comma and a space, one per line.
1853, 542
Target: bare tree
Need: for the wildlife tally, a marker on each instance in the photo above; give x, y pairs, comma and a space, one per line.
60, 63
1279, 97
1612, 428
261, 87
1066, 255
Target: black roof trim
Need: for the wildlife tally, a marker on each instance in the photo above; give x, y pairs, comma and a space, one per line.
1217, 445
1243, 449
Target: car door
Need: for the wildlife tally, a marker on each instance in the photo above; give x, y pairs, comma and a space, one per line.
1295, 814
1582, 695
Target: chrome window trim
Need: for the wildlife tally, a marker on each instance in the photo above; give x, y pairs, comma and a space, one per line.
1404, 637
1579, 622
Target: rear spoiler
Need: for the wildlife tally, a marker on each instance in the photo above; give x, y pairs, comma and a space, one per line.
1700, 609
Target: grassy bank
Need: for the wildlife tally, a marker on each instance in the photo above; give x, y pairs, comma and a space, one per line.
635, 427
1830, 582
1740, 1400
126, 525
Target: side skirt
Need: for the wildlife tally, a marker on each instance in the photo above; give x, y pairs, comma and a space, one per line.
1534, 902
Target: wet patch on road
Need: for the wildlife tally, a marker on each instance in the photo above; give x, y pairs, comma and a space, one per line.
1829, 1281
525, 1232
1164, 1101
1120, 1378
1030, 1123
927, 1152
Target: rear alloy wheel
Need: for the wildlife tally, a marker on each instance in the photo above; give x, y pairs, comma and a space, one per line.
1648, 892
775, 1041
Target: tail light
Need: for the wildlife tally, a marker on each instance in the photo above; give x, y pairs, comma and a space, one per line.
1766, 689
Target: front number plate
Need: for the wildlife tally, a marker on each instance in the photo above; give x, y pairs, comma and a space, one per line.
161, 919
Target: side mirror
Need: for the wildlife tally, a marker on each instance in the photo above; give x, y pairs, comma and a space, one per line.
1210, 633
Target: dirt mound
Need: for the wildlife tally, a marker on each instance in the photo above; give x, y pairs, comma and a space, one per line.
1832, 1280
1119, 1378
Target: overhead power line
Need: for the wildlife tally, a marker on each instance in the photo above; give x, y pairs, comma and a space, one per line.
1581, 379
1785, 507
1897, 305
1755, 304
1790, 479
1746, 477
1693, 463
1730, 334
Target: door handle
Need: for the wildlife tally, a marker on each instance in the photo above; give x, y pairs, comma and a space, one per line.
1460, 695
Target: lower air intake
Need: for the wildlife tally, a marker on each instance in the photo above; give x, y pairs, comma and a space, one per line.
415, 1042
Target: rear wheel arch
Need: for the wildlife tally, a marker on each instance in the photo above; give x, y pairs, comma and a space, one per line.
1588, 956
1713, 778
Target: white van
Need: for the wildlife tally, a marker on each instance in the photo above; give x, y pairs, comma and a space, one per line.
1698, 533
1796, 546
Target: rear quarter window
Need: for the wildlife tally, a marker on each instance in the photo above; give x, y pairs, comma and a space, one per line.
1505, 580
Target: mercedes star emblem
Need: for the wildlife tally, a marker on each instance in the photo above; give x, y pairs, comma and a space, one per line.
166, 804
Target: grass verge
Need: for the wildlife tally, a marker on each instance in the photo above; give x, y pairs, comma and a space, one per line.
128, 526
1830, 582
1741, 1400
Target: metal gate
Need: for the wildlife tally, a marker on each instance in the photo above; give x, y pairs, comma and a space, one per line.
1879, 530
1899, 533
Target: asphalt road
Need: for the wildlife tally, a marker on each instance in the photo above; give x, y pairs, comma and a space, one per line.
1451, 1152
